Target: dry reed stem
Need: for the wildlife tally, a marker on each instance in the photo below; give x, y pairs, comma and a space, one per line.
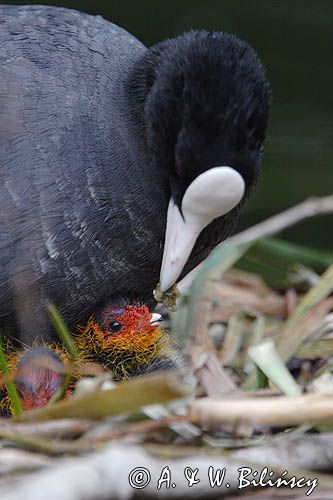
277, 411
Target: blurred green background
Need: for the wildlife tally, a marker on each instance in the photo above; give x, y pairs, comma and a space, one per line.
294, 39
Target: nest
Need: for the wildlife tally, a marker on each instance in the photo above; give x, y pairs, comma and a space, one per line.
250, 413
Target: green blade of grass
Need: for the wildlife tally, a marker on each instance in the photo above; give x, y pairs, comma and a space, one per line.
265, 356
14, 397
62, 331
291, 338
69, 344
219, 261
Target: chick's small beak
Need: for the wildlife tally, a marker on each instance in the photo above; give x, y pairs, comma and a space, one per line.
155, 319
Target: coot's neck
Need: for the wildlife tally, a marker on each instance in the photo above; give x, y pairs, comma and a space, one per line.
138, 84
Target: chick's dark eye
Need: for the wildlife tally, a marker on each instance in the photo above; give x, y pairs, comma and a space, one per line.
115, 326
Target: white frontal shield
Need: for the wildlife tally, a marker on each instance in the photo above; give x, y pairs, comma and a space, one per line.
212, 194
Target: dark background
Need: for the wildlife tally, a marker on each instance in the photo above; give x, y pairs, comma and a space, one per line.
294, 39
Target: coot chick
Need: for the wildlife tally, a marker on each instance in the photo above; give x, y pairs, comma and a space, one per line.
127, 340
38, 373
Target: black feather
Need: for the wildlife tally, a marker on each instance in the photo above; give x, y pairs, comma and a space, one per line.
96, 131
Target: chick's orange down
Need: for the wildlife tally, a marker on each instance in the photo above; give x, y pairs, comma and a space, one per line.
127, 340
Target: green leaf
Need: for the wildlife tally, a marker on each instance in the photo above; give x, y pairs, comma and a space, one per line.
69, 344
265, 356
14, 397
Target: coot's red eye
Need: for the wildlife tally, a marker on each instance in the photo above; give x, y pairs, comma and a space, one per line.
115, 326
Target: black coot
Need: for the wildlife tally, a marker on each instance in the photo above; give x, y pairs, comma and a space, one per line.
101, 138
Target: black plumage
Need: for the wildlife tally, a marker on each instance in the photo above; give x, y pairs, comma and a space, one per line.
96, 133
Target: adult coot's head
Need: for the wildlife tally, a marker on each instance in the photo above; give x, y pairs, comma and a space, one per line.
206, 103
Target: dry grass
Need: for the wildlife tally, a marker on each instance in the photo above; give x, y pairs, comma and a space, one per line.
257, 391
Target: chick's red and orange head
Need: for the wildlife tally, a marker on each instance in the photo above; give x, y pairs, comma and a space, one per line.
120, 322
128, 328
38, 373
122, 337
